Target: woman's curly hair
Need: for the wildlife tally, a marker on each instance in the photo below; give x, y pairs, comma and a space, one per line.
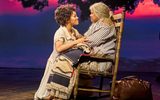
63, 13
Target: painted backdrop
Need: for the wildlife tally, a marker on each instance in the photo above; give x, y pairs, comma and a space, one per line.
26, 36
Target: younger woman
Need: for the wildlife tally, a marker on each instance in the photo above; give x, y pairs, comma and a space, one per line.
65, 39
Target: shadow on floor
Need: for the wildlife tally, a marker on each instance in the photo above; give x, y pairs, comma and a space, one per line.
21, 84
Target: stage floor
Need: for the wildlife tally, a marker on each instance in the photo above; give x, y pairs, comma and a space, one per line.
21, 84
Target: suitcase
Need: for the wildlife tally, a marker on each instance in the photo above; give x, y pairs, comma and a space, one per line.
132, 88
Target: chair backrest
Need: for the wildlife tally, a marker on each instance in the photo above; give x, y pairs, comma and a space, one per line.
118, 21
119, 24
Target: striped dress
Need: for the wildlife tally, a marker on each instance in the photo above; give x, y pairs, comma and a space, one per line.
101, 38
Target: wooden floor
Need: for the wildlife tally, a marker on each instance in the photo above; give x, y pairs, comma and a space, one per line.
21, 84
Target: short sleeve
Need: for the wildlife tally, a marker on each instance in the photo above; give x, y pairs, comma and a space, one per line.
59, 36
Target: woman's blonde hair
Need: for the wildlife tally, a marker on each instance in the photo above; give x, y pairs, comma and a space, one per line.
102, 11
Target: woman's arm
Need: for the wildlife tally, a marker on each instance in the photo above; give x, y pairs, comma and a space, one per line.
98, 37
60, 46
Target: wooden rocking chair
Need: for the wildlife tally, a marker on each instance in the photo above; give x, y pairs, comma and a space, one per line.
119, 23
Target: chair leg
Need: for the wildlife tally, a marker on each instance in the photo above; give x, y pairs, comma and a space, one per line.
113, 85
101, 85
76, 85
112, 91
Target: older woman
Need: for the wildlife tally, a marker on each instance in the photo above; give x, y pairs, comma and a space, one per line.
65, 38
100, 35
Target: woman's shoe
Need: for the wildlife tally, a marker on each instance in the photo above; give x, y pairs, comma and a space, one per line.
49, 97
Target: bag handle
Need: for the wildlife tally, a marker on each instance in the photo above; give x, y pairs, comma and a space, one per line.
130, 77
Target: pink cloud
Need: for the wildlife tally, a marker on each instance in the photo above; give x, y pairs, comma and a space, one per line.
144, 9
52, 2
14, 7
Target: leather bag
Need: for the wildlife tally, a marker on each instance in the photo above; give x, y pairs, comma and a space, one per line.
132, 88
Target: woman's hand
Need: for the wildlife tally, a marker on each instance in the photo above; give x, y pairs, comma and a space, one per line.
81, 40
60, 46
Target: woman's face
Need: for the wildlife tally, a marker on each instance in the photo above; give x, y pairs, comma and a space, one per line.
74, 19
93, 17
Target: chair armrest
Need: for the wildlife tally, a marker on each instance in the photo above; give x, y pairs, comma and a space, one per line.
88, 57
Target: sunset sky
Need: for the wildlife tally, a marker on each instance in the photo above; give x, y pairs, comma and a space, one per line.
146, 8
